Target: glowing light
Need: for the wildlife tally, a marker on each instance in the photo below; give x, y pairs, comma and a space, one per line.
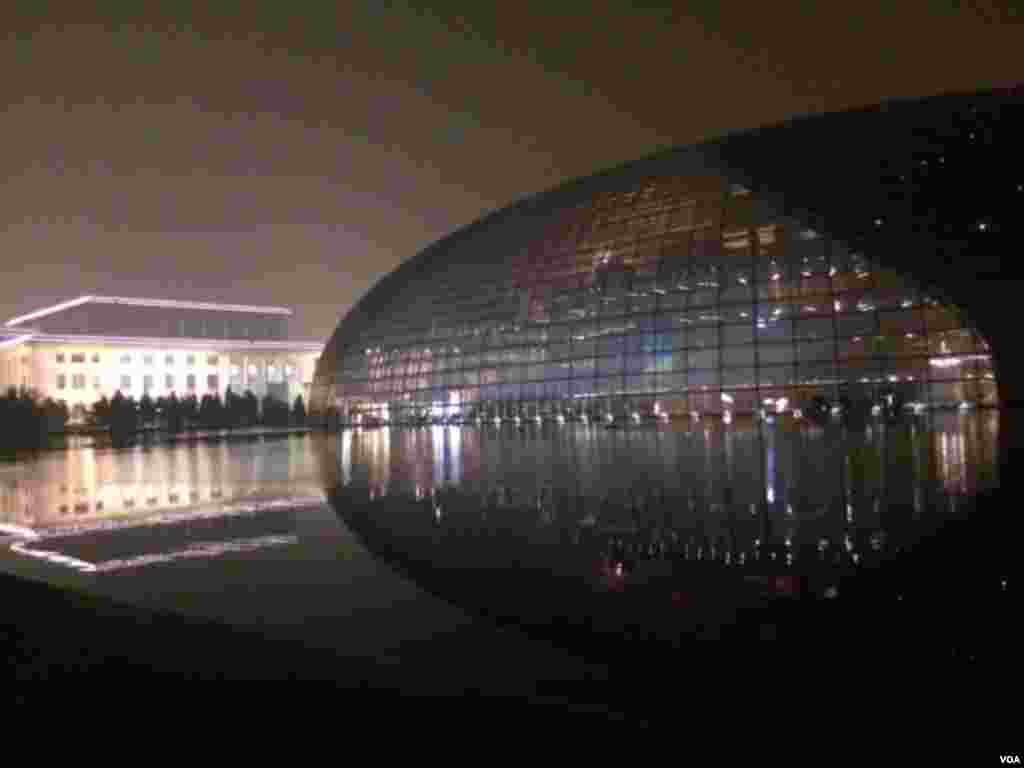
193, 551
179, 342
18, 530
138, 302
16, 341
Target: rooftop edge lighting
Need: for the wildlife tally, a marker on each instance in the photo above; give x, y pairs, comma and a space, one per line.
141, 302
16, 340
177, 341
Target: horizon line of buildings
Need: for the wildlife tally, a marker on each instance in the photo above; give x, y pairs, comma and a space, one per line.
93, 346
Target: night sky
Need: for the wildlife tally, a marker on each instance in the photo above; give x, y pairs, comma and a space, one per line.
279, 158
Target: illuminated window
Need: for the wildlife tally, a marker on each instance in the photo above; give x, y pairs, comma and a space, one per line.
62, 381
126, 382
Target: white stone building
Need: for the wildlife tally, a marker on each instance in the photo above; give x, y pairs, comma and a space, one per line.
91, 346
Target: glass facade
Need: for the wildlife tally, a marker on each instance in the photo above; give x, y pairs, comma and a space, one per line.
666, 298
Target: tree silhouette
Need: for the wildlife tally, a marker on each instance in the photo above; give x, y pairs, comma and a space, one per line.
173, 413
101, 412
233, 408
161, 412
124, 416
251, 409
299, 412
211, 412
26, 421
189, 410
275, 412
147, 409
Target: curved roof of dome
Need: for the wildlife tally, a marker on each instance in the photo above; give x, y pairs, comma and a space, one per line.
833, 172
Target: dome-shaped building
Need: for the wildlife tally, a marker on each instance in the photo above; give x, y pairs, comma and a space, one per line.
810, 266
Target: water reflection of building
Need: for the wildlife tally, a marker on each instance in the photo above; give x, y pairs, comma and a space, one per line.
86, 484
796, 471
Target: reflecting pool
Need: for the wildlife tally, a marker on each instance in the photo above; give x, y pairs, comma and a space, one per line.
386, 542
666, 531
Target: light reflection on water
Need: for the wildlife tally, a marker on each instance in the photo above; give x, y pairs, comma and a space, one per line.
784, 464
86, 486
783, 473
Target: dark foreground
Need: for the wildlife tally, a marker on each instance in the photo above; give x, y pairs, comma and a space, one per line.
951, 629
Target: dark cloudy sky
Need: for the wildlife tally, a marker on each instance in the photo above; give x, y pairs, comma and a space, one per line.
293, 153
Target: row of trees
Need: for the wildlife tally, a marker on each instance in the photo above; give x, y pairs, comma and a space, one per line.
124, 414
25, 419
